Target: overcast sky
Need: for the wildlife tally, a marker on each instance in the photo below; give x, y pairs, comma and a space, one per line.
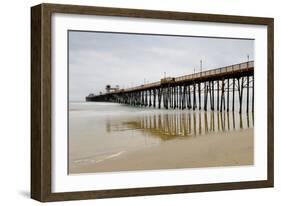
97, 59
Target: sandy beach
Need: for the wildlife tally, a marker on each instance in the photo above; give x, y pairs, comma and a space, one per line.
232, 148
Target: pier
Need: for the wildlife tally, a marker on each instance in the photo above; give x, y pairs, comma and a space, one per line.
207, 90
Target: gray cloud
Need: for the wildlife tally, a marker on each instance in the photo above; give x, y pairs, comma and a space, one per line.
97, 59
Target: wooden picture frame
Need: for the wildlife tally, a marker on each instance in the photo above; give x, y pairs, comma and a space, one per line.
41, 173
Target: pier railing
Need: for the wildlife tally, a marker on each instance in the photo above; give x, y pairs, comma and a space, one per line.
228, 69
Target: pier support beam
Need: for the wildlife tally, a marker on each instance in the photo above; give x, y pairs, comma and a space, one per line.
141, 98
154, 98
178, 101
189, 97
194, 96
210, 93
184, 97
180, 96
218, 95
175, 95
233, 93
159, 97
145, 104
228, 95
222, 97
248, 84
213, 96
240, 90
171, 97
253, 85
150, 98
199, 95
205, 96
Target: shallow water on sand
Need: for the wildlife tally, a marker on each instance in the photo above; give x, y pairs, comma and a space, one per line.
102, 131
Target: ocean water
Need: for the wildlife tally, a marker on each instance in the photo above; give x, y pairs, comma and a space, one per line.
101, 131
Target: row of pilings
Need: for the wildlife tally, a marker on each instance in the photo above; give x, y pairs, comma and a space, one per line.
194, 95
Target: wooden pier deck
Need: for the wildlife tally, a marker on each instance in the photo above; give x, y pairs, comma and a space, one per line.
186, 92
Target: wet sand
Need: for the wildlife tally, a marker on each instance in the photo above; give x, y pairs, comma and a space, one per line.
232, 148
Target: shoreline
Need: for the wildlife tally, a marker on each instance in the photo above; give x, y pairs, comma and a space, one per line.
232, 148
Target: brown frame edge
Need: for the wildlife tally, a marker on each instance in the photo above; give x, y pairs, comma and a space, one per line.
41, 101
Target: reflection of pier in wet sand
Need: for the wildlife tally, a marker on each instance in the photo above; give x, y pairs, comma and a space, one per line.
184, 124
132, 139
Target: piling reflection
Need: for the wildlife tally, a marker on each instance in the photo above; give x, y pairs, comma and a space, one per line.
185, 124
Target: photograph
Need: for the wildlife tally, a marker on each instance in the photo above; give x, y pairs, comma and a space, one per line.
133, 102
139, 102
